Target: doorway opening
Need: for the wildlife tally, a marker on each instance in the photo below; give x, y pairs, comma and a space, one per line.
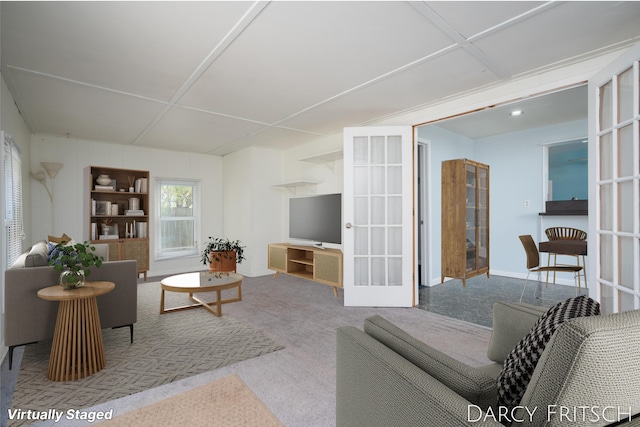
424, 217
515, 149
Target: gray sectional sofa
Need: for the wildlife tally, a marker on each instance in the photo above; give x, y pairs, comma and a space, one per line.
587, 375
30, 319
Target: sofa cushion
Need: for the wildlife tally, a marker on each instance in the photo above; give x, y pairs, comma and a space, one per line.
511, 322
471, 383
521, 362
35, 256
20, 262
38, 256
101, 250
65, 240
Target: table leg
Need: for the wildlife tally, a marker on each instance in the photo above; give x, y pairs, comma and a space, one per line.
548, 264
217, 311
77, 350
162, 302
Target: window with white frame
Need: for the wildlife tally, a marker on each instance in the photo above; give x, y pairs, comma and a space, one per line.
178, 212
12, 166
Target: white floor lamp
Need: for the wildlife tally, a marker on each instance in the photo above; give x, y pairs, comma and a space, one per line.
52, 169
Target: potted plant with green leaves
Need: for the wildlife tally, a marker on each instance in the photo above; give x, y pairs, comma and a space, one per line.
74, 261
222, 254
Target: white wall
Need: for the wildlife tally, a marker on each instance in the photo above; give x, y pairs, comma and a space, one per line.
68, 187
252, 206
329, 175
256, 210
516, 161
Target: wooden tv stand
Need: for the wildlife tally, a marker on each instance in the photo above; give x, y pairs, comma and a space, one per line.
308, 262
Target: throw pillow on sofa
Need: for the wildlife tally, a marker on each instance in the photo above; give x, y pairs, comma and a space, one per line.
36, 256
54, 241
521, 362
63, 238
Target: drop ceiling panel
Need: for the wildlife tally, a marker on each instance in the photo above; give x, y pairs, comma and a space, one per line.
472, 17
570, 29
425, 83
296, 54
190, 130
149, 49
272, 137
58, 107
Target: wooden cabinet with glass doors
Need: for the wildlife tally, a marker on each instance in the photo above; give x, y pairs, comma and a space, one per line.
465, 219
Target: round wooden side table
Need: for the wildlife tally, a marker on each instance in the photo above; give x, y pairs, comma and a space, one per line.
77, 350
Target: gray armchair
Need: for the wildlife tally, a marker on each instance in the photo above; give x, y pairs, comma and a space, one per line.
589, 369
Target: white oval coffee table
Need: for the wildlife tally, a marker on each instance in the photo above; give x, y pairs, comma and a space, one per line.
199, 283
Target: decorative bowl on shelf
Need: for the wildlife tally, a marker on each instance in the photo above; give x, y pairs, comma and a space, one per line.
103, 180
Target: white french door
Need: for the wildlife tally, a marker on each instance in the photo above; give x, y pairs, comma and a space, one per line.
614, 187
378, 215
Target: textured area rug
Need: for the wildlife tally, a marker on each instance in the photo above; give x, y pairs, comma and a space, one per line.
166, 348
226, 402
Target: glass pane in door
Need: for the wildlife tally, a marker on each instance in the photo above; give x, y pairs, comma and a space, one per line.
606, 199
377, 204
625, 151
625, 249
625, 207
606, 156
483, 217
606, 257
625, 95
606, 96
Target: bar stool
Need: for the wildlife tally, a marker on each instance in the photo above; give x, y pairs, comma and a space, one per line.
567, 233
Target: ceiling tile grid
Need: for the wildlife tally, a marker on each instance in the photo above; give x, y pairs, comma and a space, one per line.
215, 77
60, 107
147, 49
311, 51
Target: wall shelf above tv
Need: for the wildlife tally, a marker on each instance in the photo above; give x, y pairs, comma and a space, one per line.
294, 185
327, 158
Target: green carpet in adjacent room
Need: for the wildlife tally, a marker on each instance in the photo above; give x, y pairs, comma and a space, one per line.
166, 348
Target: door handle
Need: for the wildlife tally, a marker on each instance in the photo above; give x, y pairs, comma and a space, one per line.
348, 225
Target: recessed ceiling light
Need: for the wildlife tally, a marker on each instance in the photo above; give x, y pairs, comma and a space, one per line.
515, 113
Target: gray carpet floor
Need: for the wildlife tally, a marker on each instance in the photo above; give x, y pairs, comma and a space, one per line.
298, 383
166, 348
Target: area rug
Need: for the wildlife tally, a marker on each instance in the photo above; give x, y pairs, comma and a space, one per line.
226, 402
166, 348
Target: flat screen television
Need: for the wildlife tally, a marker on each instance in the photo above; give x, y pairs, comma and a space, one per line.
316, 218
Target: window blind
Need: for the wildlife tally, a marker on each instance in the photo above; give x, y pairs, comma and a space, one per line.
13, 199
